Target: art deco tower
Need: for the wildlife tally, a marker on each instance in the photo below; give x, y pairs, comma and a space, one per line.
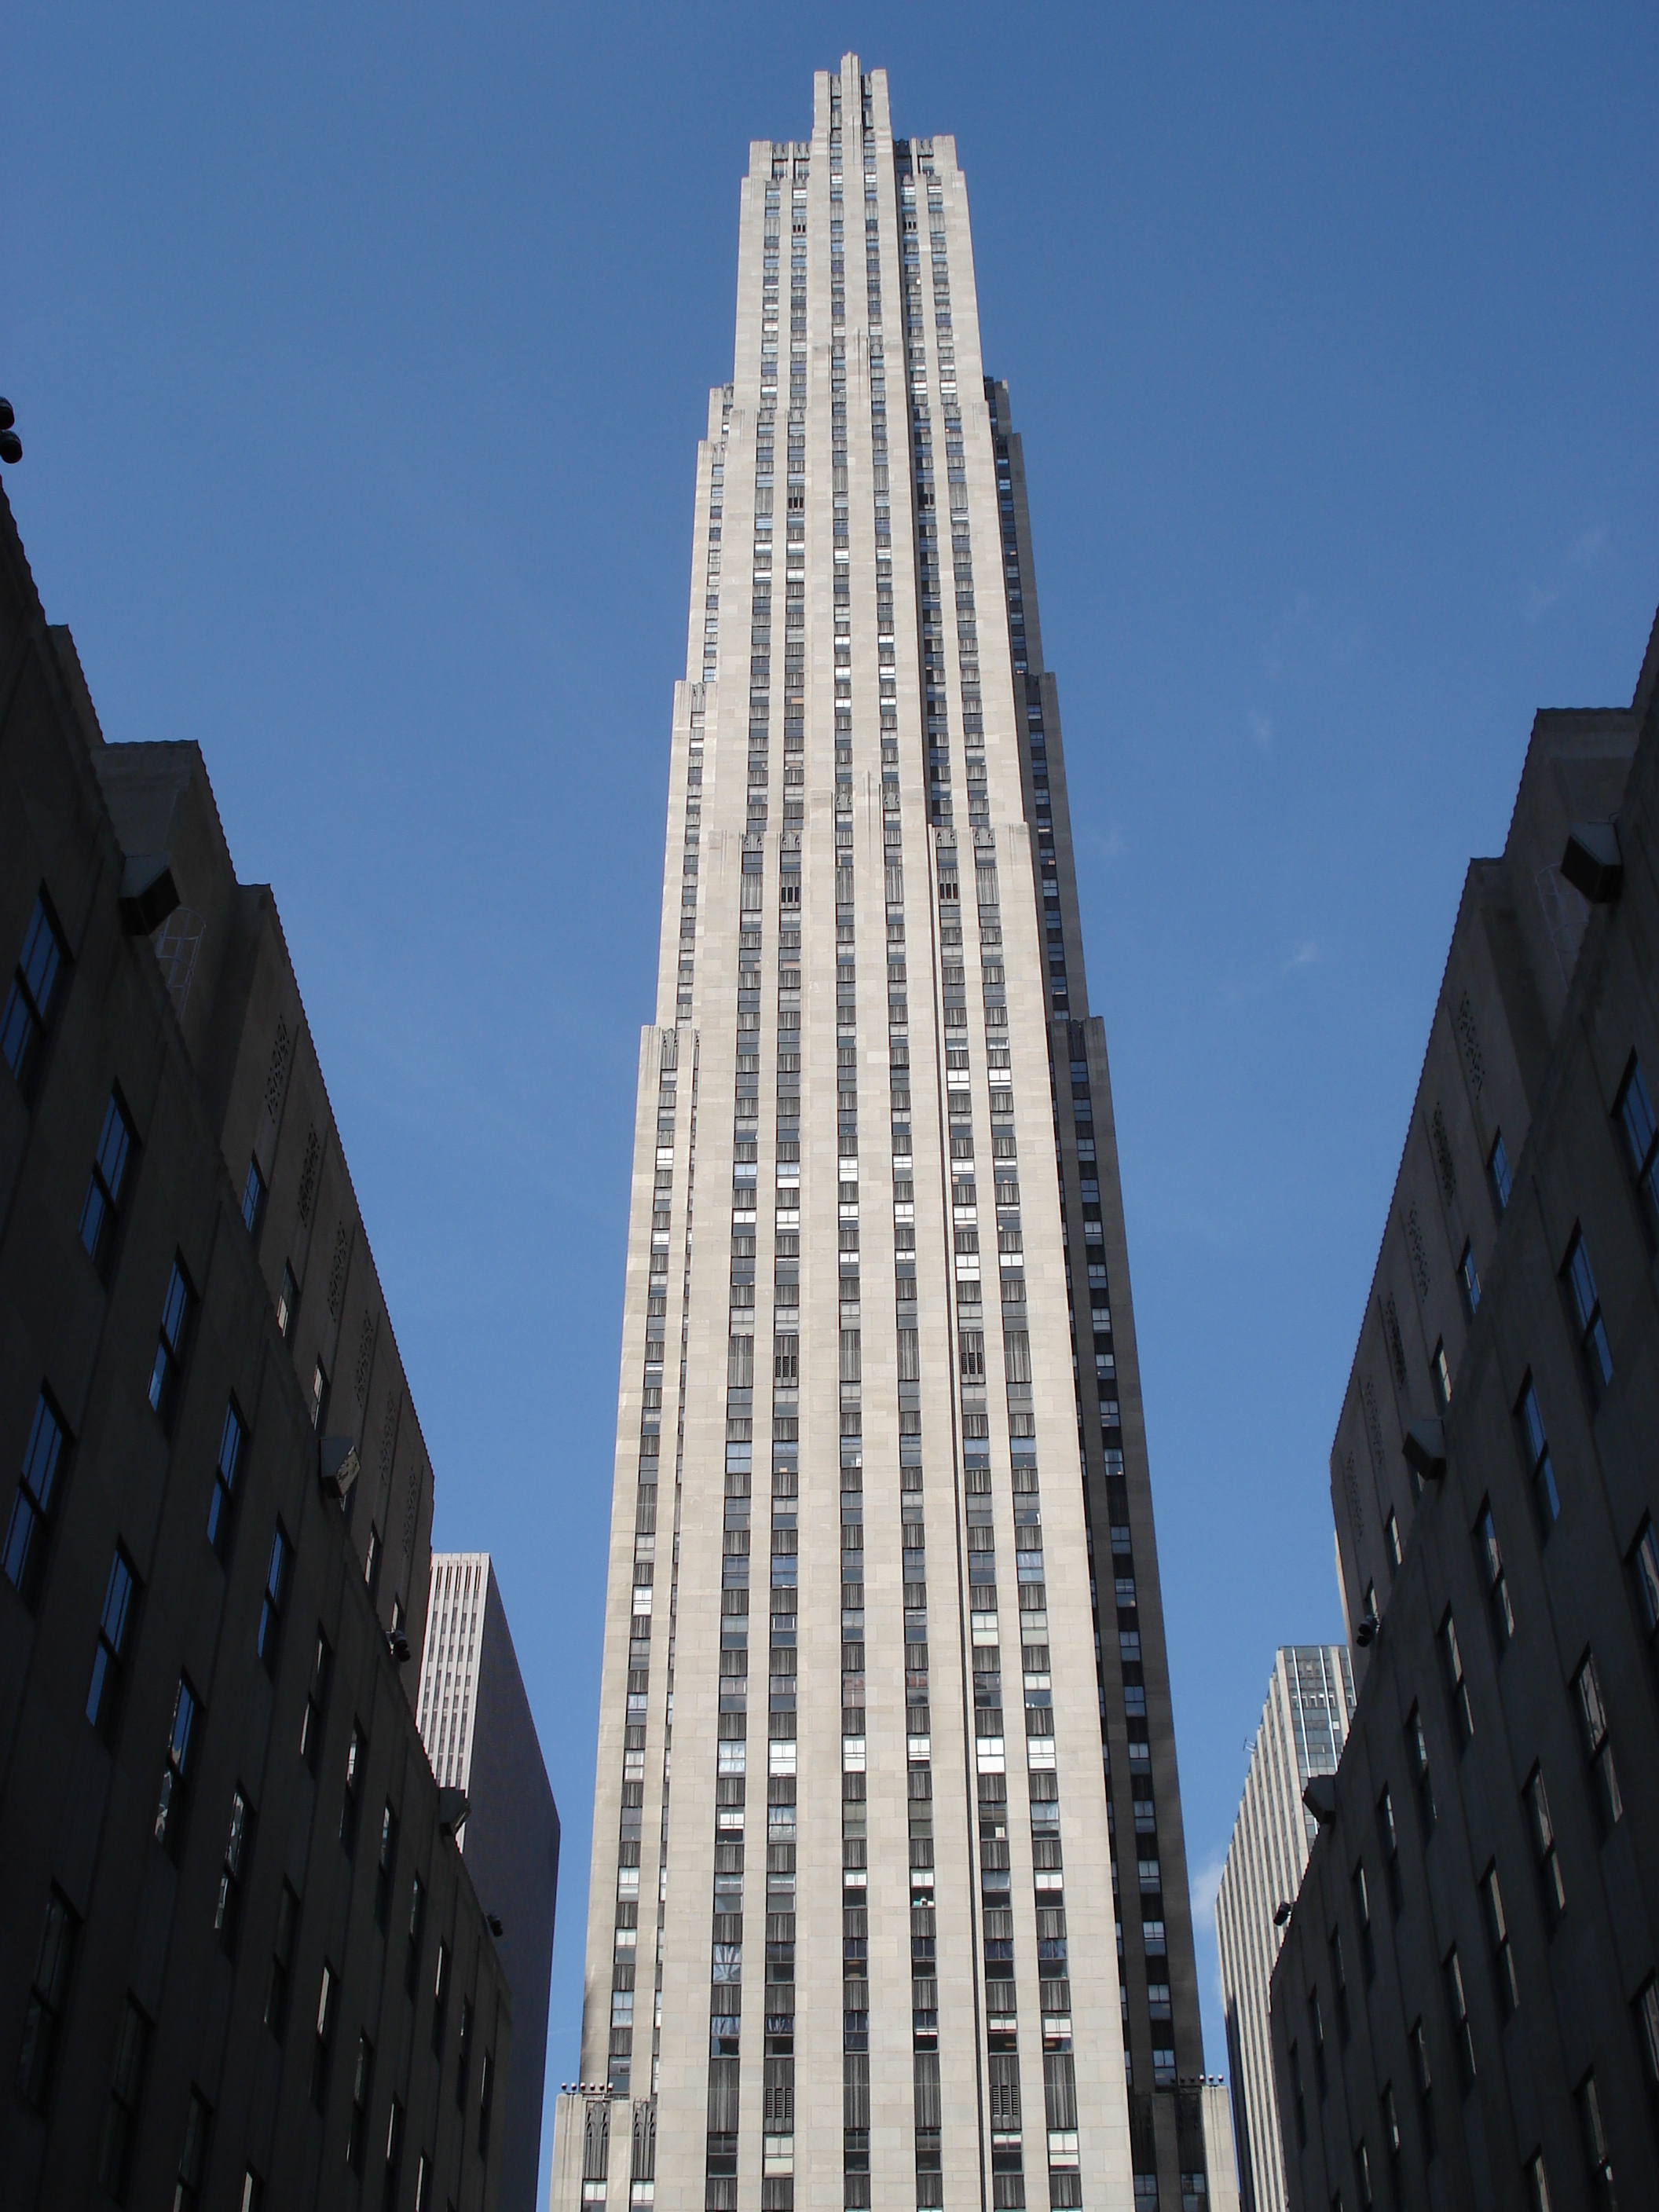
869, 1748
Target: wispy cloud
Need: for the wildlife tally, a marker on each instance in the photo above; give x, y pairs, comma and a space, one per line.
1306, 955
1205, 1886
1261, 729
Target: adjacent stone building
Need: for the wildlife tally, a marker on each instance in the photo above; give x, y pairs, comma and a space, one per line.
480, 1736
1465, 2010
241, 1963
889, 1901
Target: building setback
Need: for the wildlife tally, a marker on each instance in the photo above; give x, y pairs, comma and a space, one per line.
1304, 1727
1464, 2010
870, 1950
241, 1961
480, 1737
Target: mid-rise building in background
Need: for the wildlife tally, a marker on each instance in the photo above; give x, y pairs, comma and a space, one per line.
480, 1737
911, 1927
241, 1962
1304, 1727
1465, 2011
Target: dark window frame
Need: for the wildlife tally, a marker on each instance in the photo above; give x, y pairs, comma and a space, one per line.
114, 1165
34, 1515
40, 978
118, 1626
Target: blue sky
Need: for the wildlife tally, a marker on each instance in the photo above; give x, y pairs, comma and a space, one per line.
359, 356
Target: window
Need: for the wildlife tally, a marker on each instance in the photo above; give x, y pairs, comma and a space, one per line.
1391, 1532
362, 2088
1645, 1569
1339, 1983
176, 1309
253, 1201
1635, 1112
319, 1398
1598, 2158
33, 997
372, 1562
1388, 1836
1457, 2006
1586, 1305
422, 2176
439, 1998
486, 2098
1547, 1499
1299, 2099
1497, 1935
100, 1210
1647, 2032
282, 1959
276, 1592
29, 1529
1537, 2187
1391, 2127
323, 2042
48, 1993
1490, 1560
239, 1845
288, 1302
193, 2158
120, 2120
464, 2057
1468, 1281
115, 1631
1457, 1688
1417, 1753
357, 1756
220, 1505
1536, 1804
310, 1727
394, 2156
1423, 2081
1440, 1376
175, 1774
1317, 2039
1598, 1747
1362, 1913
384, 1867
1498, 1173
416, 1935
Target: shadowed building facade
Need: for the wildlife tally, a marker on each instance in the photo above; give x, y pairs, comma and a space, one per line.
889, 1893
1465, 2011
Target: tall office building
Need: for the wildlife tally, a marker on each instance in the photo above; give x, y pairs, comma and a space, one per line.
868, 1949
1305, 1725
480, 1737
1465, 2008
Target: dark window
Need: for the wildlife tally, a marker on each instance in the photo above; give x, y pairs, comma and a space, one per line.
33, 998
1547, 1498
362, 2088
1541, 1828
1339, 1983
1298, 2099
1598, 1745
1497, 1935
1497, 1172
221, 1505
1440, 1376
193, 2158
287, 1301
319, 1399
463, 2055
116, 1628
1388, 1837
238, 1848
175, 1774
276, 1594
439, 1998
48, 1993
1644, 1570
1457, 1687
356, 1758
1457, 2006
1646, 2009
1362, 1913
1316, 2040
171, 1343
322, 2042
101, 1211
416, 1936
1598, 2158
1417, 1753
1490, 1559
253, 1201
386, 1867
1635, 1111
394, 2156
1391, 2129
311, 1728
282, 1959
486, 2098
1586, 1305
1391, 1530
372, 1563
121, 2118
1468, 1281
1537, 2187
29, 1529
1423, 2080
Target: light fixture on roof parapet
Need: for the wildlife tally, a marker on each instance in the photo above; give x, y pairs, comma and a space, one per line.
1319, 1795
1592, 863
1424, 1448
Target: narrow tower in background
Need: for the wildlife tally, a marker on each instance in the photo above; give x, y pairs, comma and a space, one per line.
880, 1424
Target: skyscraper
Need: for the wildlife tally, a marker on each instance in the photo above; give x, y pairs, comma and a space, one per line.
867, 1949
1305, 1725
480, 1737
